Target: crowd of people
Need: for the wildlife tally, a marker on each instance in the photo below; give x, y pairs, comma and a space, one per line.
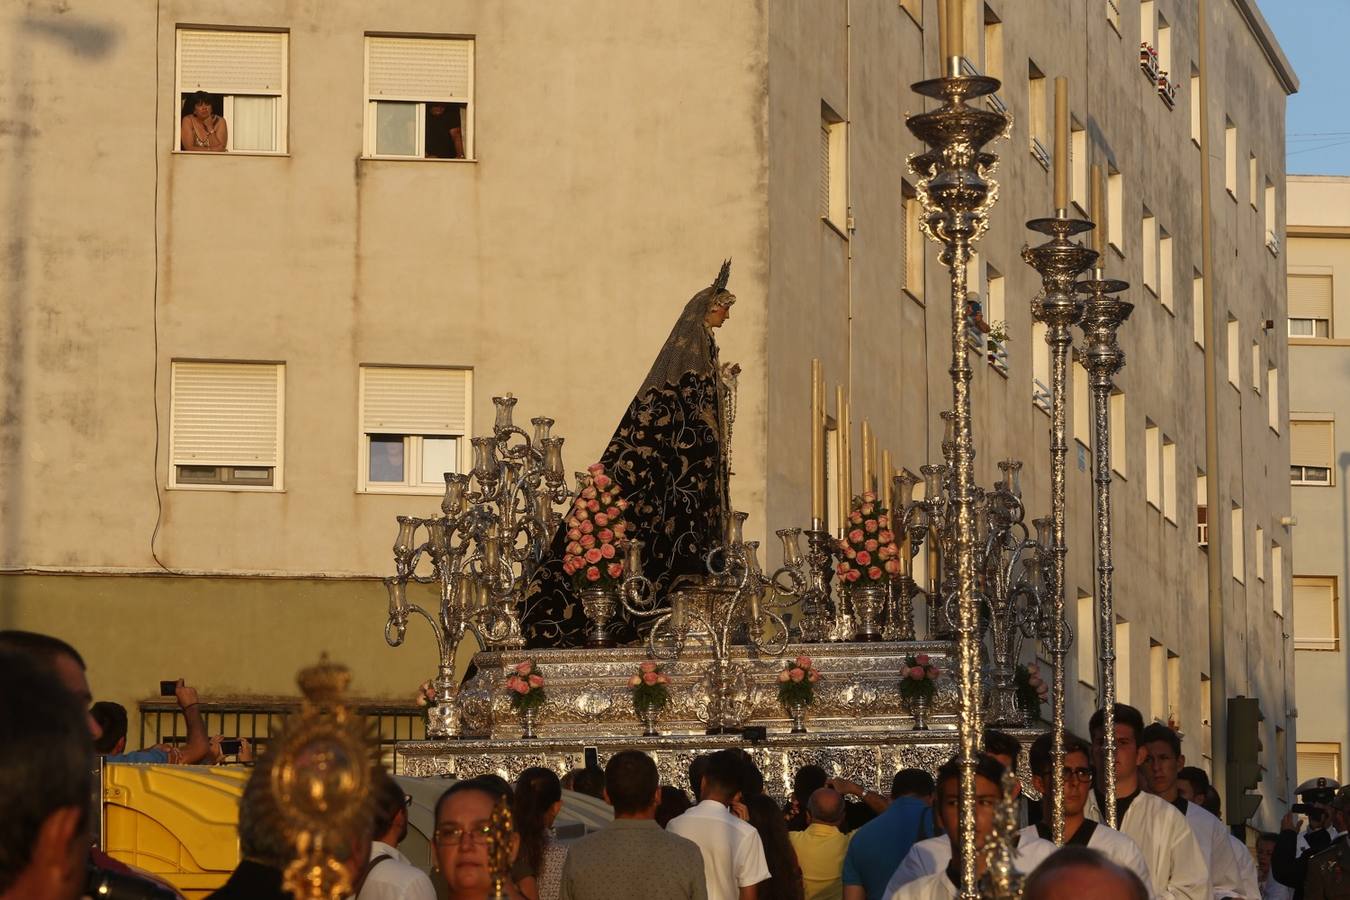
722, 839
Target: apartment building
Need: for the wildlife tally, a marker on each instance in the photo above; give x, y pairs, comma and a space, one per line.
226, 372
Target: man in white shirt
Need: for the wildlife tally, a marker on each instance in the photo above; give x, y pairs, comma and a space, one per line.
945, 883
1079, 831
1176, 867
733, 854
389, 875
1164, 762
1271, 889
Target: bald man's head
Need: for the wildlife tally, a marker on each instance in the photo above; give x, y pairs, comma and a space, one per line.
1072, 873
826, 806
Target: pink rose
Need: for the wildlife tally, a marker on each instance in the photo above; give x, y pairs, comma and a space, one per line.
581, 515
931, 672
536, 681
856, 536
892, 567
587, 527
606, 535
916, 673
592, 574
603, 481
615, 570
869, 495
601, 519
841, 569
864, 558
870, 525
635, 681
587, 541
573, 534
853, 575
873, 573
620, 528
594, 555
871, 545
813, 677
525, 666
855, 518
868, 510
520, 687
649, 678
588, 493
662, 678
804, 662
922, 659
795, 674
612, 512
647, 666
850, 553
607, 551
596, 468
886, 551
621, 503
782, 676
592, 505
574, 547
886, 536
572, 564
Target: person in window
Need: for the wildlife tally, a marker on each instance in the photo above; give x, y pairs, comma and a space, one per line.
445, 131
203, 130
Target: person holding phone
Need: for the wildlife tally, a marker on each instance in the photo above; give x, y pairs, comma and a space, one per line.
112, 720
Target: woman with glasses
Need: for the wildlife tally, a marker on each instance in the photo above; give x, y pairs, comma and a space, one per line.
461, 841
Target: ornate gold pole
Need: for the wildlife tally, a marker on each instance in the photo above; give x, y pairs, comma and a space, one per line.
1059, 261
957, 194
1103, 314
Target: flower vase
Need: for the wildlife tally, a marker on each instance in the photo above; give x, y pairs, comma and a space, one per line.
868, 602
918, 708
647, 714
599, 604
529, 720
797, 712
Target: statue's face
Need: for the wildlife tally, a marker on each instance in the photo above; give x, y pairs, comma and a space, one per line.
717, 314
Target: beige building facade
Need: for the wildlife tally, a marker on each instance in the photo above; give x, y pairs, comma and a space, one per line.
1319, 272
226, 373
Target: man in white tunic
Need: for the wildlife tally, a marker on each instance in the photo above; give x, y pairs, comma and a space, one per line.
1176, 867
1079, 831
1164, 762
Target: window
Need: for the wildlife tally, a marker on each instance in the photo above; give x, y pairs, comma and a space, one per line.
1173, 689
1040, 367
1117, 414
915, 10
1277, 579
1115, 210
414, 424
1256, 366
833, 163
1201, 511
1251, 179
1206, 724
1086, 639
1316, 625
1310, 306
419, 98
911, 247
1239, 544
1230, 157
1082, 418
1198, 308
225, 425
244, 74
1152, 464
1272, 238
1169, 479
1150, 251
1036, 114
1165, 269
1122, 661
1311, 451
997, 317
1273, 399
1164, 48
1113, 15
1259, 545
1234, 360
993, 44
1148, 21
1195, 107
1078, 159
1157, 681
1318, 760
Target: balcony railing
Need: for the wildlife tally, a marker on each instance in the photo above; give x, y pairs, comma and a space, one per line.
1148, 61
1113, 14
1272, 242
1041, 153
997, 354
1167, 90
1040, 394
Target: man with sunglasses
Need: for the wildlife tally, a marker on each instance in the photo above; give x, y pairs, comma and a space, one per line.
1079, 830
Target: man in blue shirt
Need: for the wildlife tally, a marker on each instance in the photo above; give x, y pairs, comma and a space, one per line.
878, 847
112, 743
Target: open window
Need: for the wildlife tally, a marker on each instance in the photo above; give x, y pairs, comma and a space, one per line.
231, 88
419, 97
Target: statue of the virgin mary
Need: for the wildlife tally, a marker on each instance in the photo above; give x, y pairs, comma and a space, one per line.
669, 457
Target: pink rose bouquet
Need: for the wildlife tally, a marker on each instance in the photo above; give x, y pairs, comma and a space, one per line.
918, 678
650, 686
526, 686
1032, 690
595, 532
868, 551
426, 696
797, 681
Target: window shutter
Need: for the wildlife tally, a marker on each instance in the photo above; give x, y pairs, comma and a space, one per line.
825, 170
419, 69
232, 62
1310, 297
1310, 444
225, 414
1314, 615
414, 401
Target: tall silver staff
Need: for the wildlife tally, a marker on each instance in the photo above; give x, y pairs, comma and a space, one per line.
1103, 314
957, 195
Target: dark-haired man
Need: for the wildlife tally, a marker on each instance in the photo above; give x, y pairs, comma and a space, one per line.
389, 875
878, 847
112, 743
44, 784
1176, 867
1164, 763
632, 855
733, 854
